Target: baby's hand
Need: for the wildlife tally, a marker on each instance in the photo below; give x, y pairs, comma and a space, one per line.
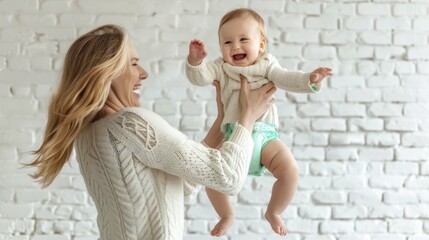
197, 52
319, 74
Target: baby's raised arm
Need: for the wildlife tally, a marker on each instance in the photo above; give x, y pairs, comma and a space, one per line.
197, 52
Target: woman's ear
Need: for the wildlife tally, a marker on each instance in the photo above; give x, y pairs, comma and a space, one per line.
262, 45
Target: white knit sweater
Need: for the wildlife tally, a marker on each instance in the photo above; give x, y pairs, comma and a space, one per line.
266, 69
138, 169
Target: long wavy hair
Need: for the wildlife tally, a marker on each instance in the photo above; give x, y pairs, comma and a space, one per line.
91, 63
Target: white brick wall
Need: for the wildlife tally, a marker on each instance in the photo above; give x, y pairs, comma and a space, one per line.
362, 144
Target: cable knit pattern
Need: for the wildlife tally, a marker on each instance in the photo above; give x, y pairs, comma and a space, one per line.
137, 169
265, 69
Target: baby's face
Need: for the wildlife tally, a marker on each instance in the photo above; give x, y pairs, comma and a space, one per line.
241, 41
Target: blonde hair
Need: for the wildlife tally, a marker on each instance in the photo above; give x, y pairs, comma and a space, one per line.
91, 63
244, 12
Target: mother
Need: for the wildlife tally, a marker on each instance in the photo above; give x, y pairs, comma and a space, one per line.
136, 167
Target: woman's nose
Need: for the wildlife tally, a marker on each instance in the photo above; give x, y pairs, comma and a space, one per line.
143, 74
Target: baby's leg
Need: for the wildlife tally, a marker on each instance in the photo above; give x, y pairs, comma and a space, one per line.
223, 207
278, 159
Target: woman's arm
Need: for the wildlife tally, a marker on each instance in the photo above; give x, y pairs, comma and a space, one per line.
158, 145
215, 136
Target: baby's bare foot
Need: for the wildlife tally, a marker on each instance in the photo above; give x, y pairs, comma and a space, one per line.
276, 223
222, 227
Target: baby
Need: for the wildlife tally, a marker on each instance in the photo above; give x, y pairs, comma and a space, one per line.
242, 39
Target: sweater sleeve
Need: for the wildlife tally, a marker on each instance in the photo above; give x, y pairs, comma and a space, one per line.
293, 81
158, 145
203, 74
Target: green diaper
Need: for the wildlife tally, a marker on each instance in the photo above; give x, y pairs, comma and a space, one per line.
262, 133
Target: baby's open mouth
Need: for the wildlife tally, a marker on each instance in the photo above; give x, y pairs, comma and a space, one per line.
239, 56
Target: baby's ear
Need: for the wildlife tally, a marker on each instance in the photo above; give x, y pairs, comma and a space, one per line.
262, 45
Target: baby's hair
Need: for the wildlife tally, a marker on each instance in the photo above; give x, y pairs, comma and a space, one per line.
244, 12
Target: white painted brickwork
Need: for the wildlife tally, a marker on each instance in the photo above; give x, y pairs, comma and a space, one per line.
362, 144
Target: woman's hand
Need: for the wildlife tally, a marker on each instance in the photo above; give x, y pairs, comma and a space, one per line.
254, 103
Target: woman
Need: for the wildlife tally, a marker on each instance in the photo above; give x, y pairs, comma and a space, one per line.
136, 167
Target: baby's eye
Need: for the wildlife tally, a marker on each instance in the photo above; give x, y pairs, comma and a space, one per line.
243, 39
227, 42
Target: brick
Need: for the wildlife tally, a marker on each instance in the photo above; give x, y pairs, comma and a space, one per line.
406, 9
359, 23
365, 197
341, 154
349, 182
347, 139
400, 197
358, 52
327, 169
301, 36
371, 226
310, 182
267, 6
414, 81
329, 197
418, 53
349, 212
338, 37
376, 37
392, 24
287, 50
415, 139
347, 81
192, 108
23, 6
315, 212
303, 8
418, 211
421, 24
316, 139
348, 110
370, 124
386, 211
355, 236
314, 109
376, 154
329, 95
373, 9
318, 52
287, 22
302, 226
386, 110
322, 22
339, 9
387, 182
55, 6
405, 226
336, 226
329, 124
409, 38
308, 153
386, 53
16, 211
382, 139
415, 110
419, 182
401, 124
37, 19
411, 154
367, 68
